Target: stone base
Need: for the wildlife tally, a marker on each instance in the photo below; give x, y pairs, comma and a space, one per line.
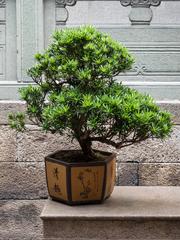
141, 213
121, 230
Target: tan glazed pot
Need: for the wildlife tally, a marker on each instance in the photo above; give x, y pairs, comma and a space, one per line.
80, 182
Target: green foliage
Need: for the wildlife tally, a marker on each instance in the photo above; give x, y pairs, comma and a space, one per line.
76, 93
17, 121
82, 57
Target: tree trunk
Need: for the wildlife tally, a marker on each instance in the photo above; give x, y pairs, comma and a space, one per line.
86, 147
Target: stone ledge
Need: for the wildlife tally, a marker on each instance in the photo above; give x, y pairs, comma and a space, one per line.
126, 203
141, 213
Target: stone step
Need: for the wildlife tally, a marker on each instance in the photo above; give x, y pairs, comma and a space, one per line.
160, 90
142, 213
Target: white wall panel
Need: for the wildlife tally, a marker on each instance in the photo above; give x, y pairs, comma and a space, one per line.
155, 46
98, 12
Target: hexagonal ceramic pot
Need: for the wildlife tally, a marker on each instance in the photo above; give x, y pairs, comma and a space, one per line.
80, 182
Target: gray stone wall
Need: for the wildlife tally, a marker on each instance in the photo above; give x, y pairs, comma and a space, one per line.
23, 184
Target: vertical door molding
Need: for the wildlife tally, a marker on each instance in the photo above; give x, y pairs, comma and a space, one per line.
19, 23
49, 20
2, 39
30, 34
11, 51
39, 24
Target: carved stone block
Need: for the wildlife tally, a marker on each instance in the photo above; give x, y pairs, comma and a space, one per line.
140, 16
2, 3
140, 12
140, 3
61, 11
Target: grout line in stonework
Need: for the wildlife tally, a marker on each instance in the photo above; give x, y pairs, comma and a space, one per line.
138, 174
136, 162
23, 199
21, 161
128, 163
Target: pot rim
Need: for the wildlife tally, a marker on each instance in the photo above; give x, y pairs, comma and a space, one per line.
51, 158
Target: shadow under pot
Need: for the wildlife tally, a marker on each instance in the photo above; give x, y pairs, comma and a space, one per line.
74, 181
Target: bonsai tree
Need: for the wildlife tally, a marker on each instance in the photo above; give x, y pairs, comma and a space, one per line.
76, 93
